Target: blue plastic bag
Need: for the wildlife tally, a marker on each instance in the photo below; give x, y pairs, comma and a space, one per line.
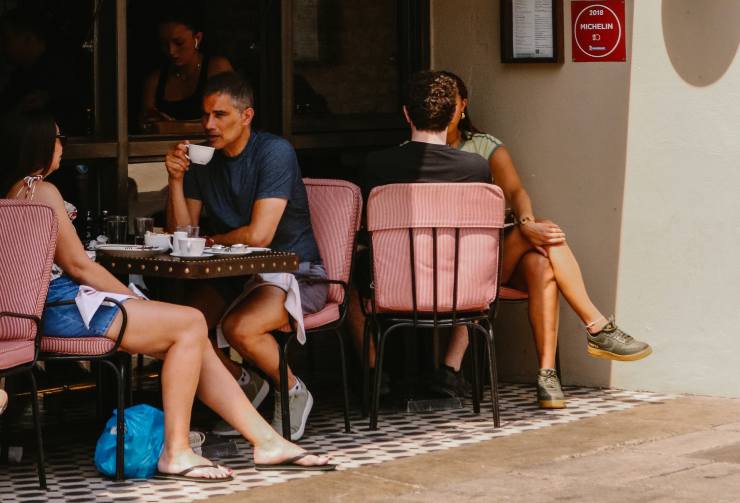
143, 441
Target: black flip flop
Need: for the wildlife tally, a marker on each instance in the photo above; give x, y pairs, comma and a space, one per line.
289, 465
183, 475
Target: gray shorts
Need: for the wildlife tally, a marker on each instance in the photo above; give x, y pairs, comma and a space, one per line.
313, 295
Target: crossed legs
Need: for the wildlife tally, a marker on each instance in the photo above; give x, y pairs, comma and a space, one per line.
178, 335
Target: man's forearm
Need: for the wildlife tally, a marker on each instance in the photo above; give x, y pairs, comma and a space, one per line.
177, 209
243, 235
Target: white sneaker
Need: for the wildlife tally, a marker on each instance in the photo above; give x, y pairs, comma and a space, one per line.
256, 390
299, 405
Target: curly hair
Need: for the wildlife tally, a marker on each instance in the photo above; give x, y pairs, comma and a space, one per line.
430, 100
465, 125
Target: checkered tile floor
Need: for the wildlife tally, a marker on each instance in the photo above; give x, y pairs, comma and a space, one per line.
73, 478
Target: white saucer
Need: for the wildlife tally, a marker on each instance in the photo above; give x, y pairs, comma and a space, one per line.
192, 257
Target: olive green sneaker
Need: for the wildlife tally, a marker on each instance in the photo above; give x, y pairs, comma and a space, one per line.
613, 344
549, 394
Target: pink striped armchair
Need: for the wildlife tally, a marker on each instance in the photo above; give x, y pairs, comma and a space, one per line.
436, 251
336, 208
28, 235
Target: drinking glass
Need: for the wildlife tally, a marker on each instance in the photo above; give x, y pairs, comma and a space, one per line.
116, 228
142, 226
192, 230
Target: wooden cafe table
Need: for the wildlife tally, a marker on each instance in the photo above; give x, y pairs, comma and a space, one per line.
217, 266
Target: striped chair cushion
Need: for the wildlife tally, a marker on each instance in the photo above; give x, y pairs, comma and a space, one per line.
335, 207
328, 314
14, 353
507, 293
476, 208
88, 346
28, 233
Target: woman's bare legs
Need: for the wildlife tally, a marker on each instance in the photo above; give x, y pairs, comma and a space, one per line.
535, 275
219, 391
190, 363
567, 275
180, 335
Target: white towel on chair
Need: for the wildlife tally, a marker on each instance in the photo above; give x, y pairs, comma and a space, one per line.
286, 282
88, 301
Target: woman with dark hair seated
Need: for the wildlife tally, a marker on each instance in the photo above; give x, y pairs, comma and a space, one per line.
175, 90
537, 259
32, 148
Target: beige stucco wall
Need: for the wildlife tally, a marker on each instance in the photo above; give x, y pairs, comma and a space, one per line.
566, 128
638, 162
679, 274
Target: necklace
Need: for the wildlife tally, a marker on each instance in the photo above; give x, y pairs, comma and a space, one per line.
185, 76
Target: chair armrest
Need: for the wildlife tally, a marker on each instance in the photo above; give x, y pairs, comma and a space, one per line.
309, 280
124, 320
33, 318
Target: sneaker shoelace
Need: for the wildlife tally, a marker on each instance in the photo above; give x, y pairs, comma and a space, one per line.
616, 333
550, 379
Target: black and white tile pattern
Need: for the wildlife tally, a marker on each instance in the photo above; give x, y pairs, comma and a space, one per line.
72, 476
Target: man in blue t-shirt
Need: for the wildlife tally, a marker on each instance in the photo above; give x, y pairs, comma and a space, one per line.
253, 194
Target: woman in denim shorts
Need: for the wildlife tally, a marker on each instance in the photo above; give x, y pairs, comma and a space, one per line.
32, 147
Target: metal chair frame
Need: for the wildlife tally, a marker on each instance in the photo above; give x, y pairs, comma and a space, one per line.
391, 322
118, 362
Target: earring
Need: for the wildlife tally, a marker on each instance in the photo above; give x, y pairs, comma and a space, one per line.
196, 44
462, 116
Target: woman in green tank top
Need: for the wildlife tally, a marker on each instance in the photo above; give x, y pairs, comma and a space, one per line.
538, 260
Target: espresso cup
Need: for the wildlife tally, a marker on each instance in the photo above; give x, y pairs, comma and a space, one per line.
158, 240
176, 237
191, 247
200, 154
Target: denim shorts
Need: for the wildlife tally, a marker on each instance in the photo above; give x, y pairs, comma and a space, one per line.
65, 321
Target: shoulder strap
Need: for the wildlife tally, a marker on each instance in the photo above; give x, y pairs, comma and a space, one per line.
29, 183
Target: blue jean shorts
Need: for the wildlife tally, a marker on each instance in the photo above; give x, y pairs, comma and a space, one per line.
65, 321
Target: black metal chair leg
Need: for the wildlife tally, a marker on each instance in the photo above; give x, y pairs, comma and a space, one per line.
99, 412
284, 398
366, 367
375, 404
494, 378
472, 337
343, 363
120, 426
37, 426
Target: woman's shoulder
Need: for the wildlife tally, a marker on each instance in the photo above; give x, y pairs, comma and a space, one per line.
485, 139
482, 144
47, 192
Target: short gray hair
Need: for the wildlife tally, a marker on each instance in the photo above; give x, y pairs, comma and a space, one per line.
234, 85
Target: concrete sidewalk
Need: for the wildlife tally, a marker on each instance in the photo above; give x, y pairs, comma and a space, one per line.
685, 449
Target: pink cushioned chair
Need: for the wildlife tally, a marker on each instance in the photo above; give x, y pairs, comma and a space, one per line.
28, 233
28, 236
336, 208
435, 258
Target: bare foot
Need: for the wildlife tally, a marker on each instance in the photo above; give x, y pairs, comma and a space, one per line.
174, 464
280, 450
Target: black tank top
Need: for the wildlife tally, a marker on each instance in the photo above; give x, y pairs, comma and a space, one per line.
186, 109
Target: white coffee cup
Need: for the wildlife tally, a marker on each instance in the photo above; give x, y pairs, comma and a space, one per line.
176, 237
200, 154
191, 247
158, 240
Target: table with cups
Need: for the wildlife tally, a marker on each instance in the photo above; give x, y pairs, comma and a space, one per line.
189, 259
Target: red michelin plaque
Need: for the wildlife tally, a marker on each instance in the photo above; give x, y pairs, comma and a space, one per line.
598, 30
